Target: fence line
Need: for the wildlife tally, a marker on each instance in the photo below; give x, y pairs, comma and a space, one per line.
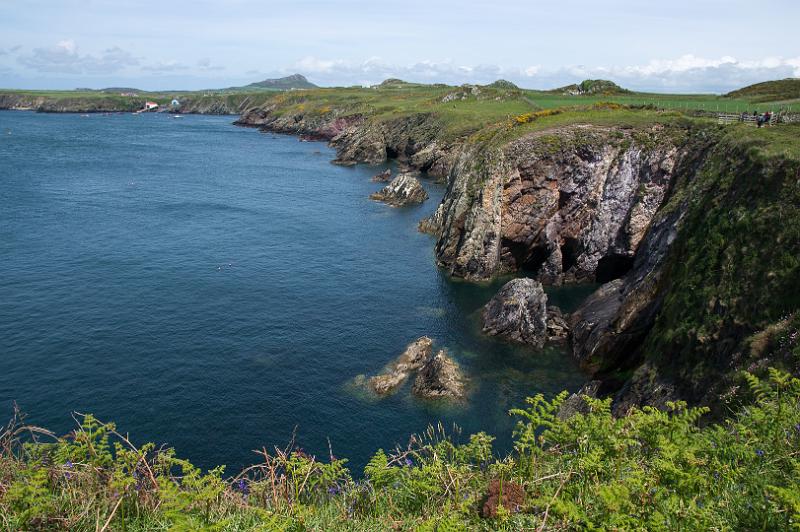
776, 118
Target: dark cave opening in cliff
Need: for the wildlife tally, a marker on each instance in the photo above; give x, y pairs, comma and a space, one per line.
569, 254
391, 153
529, 260
613, 267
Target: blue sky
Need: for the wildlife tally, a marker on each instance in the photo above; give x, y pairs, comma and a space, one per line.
678, 46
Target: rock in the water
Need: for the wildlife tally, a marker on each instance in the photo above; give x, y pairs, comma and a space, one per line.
403, 190
557, 325
414, 357
518, 312
382, 177
439, 377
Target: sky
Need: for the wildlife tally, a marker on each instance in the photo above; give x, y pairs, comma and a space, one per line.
676, 46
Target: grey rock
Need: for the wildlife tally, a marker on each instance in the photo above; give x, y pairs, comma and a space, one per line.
439, 377
557, 325
576, 403
382, 177
414, 357
403, 190
518, 312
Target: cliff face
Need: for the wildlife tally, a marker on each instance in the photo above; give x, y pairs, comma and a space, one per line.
413, 140
566, 206
677, 223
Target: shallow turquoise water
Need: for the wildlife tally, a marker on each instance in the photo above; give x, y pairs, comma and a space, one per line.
213, 288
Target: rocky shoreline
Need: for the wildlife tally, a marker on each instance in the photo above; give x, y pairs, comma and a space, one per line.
572, 204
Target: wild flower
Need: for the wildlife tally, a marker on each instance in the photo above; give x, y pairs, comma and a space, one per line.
409, 462
243, 487
759, 452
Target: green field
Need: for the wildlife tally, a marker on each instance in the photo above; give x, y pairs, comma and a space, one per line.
493, 102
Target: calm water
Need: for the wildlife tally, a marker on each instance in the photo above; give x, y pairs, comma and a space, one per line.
212, 287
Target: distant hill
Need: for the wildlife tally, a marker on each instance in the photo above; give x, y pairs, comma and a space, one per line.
769, 91
295, 81
502, 84
591, 87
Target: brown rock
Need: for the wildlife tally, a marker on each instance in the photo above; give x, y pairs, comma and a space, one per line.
414, 357
439, 377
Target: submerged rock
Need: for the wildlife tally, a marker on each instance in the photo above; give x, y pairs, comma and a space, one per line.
414, 357
518, 312
403, 190
439, 377
382, 177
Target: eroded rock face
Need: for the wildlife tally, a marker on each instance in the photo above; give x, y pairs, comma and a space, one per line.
416, 354
402, 190
439, 377
382, 177
518, 312
570, 204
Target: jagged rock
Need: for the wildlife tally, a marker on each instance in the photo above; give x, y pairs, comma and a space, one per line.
575, 403
572, 203
382, 177
432, 225
414, 357
557, 325
518, 312
439, 377
403, 190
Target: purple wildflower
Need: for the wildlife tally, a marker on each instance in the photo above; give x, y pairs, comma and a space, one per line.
243, 487
333, 490
409, 462
759, 452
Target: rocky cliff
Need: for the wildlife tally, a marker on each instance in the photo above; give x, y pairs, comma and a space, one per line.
692, 231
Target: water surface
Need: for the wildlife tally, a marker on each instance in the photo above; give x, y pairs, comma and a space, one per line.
213, 287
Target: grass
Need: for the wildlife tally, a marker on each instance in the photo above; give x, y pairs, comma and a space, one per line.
493, 104
649, 470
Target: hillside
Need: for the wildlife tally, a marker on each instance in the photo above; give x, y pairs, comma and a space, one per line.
295, 81
590, 87
778, 90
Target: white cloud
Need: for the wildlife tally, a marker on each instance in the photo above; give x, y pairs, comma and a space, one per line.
65, 58
687, 73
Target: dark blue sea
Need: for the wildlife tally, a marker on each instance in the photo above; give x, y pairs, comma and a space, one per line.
216, 288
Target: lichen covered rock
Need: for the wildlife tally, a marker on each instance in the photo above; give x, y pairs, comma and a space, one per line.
403, 190
518, 312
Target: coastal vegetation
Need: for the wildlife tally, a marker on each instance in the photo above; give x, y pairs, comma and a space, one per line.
650, 470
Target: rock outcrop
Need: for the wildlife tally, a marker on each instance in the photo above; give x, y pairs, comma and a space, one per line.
518, 312
383, 177
439, 377
416, 354
402, 190
569, 205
